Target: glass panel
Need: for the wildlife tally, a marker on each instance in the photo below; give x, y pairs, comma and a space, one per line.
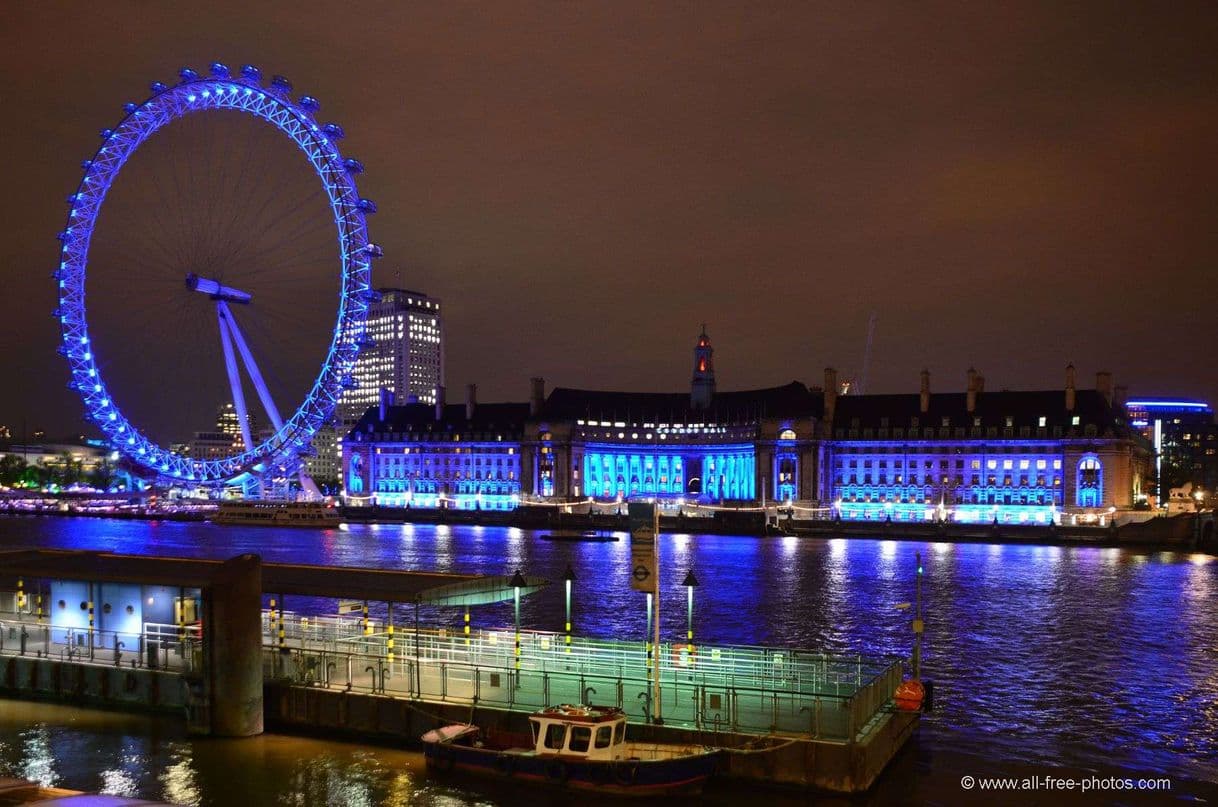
604, 736
556, 733
580, 737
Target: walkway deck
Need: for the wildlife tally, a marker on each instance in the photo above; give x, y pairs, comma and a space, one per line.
722, 688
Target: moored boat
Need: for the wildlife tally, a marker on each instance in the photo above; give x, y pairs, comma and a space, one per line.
586, 535
270, 513
577, 748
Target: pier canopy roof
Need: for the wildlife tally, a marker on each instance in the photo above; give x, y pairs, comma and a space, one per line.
339, 582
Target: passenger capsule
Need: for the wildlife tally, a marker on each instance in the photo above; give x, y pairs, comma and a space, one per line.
353, 166
333, 131
219, 69
130, 108
367, 205
188, 75
309, 104
374, 251
157, 87
251, 73
281, 83
106, 133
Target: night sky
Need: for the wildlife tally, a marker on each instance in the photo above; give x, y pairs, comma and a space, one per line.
584, 184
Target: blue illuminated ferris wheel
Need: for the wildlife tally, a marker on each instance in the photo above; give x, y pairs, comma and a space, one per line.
213, 294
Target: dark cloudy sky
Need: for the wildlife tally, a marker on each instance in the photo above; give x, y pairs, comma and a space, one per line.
1013, 186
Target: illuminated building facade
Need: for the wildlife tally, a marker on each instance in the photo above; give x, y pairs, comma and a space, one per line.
1185, 440
1010, 457
698, 447
974, 456
456, 456
404, 353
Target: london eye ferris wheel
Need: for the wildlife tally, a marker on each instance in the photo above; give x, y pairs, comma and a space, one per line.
220, 273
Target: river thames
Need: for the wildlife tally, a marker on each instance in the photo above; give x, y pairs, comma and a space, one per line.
1047, 660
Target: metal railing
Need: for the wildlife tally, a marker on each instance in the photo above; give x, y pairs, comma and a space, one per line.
158, 646
715, 688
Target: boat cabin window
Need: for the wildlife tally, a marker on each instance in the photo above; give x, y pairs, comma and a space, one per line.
533, 725
619, 733
580, 737
556, 733
604, 736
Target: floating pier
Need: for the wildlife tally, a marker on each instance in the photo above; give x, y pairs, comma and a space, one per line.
787, 716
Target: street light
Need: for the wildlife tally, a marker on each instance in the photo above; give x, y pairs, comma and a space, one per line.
568, 577
690, 582
517, 583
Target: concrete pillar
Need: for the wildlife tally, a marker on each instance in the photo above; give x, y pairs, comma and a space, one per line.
232, 647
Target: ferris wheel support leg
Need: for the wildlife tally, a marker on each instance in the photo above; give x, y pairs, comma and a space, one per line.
251, 367
234, 377
309, 486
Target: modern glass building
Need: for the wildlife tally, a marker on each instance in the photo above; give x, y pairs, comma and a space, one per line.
404, 353
1185, 441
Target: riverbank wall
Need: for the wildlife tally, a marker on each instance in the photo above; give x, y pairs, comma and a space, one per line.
124, 688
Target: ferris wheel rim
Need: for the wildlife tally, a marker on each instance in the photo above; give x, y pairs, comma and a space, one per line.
294, 118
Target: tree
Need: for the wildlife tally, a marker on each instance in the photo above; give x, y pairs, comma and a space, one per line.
12, 469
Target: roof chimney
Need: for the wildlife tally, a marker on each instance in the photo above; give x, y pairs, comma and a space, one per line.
830, 395
386, 402
925, 396
440, 390
1103, 384
972, 390
1069, 387
1120, 395
980, 384
538, 396
471, 400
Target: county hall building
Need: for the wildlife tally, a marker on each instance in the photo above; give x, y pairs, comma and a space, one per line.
971, 456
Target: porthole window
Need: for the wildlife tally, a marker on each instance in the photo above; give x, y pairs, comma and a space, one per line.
106, 608
130, 609
84, 606
63, 604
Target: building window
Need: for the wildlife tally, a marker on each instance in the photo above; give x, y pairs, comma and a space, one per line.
1090, 482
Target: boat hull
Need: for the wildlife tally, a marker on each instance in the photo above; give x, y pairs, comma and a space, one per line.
629, 777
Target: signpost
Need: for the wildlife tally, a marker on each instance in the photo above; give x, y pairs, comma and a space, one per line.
645, 576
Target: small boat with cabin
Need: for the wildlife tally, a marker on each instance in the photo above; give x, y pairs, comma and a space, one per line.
576, 748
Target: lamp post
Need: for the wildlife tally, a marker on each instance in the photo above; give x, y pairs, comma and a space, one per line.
517, 583
690, 583
568, 577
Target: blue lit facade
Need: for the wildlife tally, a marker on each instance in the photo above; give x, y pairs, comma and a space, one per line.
466, 458
974, 457
977, 457
962, 481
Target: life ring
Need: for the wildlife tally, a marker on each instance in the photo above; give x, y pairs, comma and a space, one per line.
557, 772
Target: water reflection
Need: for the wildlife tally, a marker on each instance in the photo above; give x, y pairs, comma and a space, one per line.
1081, 656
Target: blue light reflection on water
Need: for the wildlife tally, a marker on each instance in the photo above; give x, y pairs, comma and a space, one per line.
1076, 656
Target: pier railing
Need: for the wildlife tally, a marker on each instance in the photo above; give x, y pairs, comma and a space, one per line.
157, 646
714, 688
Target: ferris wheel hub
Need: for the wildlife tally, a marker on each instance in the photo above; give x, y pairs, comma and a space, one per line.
215, 290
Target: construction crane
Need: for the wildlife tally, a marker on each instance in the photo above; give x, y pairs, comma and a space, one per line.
862, 385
